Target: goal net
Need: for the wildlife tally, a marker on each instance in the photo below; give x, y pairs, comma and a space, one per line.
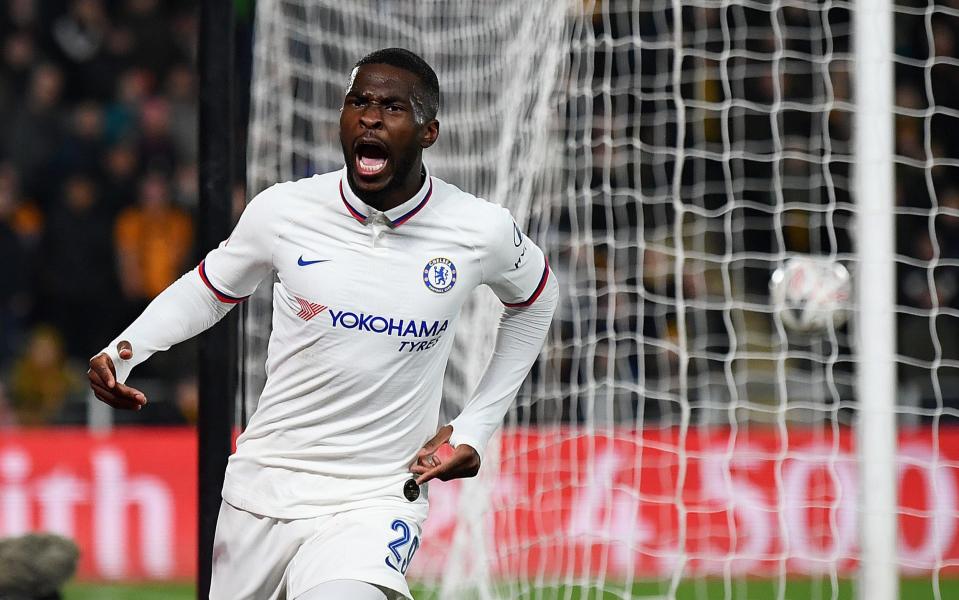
674, 436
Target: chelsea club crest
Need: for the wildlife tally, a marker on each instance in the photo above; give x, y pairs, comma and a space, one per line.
439, 275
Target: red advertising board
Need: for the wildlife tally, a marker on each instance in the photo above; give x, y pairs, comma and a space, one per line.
750, 503
128, 497
622, 503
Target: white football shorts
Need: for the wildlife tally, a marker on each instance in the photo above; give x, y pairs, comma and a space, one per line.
262, 558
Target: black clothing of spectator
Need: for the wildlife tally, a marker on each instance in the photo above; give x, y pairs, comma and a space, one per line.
78, 235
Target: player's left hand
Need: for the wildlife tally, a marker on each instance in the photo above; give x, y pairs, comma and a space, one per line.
463, 462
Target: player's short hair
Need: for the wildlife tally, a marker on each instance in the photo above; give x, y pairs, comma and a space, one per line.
426, 100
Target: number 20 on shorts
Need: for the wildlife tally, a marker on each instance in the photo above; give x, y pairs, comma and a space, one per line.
395, 559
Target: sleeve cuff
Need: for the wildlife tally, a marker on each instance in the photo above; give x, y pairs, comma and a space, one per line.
461, 435
122, 367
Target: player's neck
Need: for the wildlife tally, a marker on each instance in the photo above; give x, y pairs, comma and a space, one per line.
394, 195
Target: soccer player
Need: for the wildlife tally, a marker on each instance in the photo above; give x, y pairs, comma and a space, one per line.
326, 495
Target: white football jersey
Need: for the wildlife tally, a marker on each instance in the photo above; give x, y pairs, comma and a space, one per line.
364, 311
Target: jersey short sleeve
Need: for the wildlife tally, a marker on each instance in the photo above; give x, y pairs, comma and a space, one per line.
234, 269
515, 268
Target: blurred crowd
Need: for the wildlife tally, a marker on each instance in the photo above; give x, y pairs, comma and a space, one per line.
98, 194
98, 187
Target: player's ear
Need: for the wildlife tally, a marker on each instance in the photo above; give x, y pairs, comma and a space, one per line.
430, 132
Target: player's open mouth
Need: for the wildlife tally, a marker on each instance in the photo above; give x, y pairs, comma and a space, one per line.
370, 159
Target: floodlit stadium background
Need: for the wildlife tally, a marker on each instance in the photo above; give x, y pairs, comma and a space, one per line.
98, 199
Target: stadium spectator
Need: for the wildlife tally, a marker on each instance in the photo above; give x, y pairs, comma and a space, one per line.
119, 175
181, 94
156, 147
133, 87
80, 36
20, 15
23, 215
19, 56
35, 131
81, 31
77, 235
186, 191
188, 399
43, 378
150, 34
153, 241
14, 285
83, 145
183, 30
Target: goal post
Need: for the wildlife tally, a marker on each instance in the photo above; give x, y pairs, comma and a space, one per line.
875, 188
217, 361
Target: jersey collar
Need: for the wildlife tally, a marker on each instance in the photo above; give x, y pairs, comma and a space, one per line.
396, 215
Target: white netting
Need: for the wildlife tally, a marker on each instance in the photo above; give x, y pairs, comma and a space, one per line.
668, 155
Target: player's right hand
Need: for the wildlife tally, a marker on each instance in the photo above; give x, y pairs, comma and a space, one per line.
103, 381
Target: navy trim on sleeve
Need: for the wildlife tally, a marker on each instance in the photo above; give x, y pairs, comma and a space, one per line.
539, 290
219, 295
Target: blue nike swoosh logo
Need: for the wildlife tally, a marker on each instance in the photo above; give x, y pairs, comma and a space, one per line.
304, 263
